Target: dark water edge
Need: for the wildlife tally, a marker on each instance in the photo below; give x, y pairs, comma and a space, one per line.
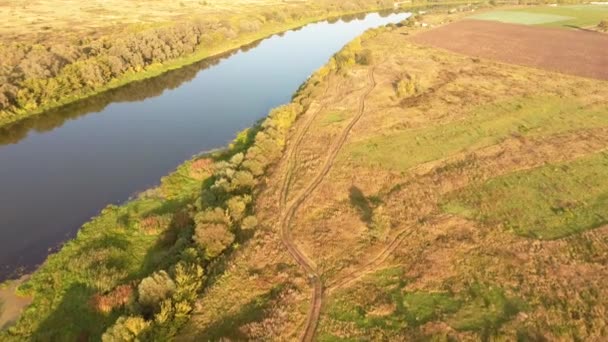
59, 169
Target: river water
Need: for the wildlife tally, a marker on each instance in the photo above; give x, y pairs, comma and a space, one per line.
59, 169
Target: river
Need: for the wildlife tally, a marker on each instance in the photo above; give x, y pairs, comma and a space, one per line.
59, 169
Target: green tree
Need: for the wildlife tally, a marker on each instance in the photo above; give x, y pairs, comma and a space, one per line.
154, 289
125, 329
213, 238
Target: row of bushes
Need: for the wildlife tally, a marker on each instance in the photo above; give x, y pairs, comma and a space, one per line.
35, 77
224, 215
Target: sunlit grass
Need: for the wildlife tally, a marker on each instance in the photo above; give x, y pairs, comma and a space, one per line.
548, 202
485, 126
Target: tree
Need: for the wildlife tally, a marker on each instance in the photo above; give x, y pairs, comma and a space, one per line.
213, 238
249, 222
125, 329
237, 206
364, 57
154, 289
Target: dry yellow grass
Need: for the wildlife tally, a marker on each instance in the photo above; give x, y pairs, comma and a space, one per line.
20, 19
394, 264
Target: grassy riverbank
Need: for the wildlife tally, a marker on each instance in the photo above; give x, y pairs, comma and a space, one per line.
138, 267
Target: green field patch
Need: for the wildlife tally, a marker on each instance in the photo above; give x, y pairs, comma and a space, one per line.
485, 126
517, 17
575, 16
548, 202
485, 309
333, 117
382, 302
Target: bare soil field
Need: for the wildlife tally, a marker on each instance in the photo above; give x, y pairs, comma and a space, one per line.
579, 53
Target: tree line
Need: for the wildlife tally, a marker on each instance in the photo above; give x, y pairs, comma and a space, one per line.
37, 76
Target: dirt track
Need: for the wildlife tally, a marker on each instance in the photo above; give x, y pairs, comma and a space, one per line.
572, 52
288, 210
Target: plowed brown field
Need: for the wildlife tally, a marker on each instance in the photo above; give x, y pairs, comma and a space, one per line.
572, 52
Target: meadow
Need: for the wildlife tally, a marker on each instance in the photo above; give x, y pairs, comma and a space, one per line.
465, 202
562, 16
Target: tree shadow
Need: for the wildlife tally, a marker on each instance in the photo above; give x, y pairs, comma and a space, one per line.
74, 319
227, 326
361, 204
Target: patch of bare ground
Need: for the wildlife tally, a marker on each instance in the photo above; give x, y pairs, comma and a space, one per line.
577, 52
11, 304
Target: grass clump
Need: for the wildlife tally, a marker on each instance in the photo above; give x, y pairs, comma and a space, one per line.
548, 202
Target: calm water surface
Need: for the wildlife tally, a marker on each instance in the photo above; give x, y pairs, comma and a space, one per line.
60, 169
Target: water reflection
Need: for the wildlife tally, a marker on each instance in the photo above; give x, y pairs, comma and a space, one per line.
60, 168
132, 92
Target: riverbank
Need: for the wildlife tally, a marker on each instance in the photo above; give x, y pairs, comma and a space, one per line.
12, 304
174, 227
113, 67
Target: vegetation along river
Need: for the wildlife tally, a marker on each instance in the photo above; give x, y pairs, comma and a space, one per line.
59, 169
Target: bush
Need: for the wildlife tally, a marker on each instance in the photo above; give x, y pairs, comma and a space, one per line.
249, 222
125, 329
242, 180
364, 57
213, 238
117, 298
237, 206
215, 215
407, 86
154, 289
603, 25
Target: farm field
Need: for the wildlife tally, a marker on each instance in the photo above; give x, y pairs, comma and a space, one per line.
437, 196
567, 51
568, 16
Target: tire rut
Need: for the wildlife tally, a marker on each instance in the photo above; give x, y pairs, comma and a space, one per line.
288, 211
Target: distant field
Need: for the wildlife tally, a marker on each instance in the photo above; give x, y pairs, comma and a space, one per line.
572, 52
579, 16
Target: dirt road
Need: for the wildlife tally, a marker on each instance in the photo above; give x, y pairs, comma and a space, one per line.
288, 210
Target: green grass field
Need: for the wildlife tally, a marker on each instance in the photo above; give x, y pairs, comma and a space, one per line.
485, 126
479, 308
548, 202
579, 16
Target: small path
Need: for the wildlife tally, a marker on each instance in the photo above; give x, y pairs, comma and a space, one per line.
372, 265
11, 305
288, 211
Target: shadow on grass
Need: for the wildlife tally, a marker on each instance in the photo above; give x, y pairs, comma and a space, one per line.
227, 327
361, 204
74, 319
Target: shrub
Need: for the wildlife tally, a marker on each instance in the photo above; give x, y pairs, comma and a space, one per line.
407, 86
213, 238
242, 180
154, 224
364, 57
125, 329
249, 222
117, 298
154, 289
603, 25
237, 206
215, 215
